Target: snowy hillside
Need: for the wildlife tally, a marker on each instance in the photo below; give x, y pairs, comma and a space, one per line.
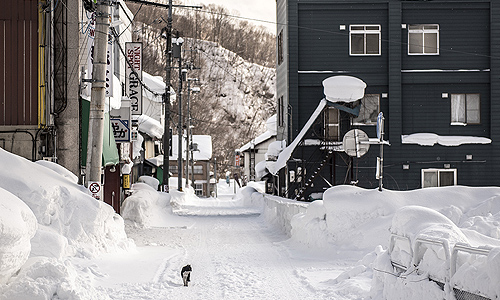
236, 96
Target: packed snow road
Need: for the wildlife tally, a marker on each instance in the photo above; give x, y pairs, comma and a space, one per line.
232, 256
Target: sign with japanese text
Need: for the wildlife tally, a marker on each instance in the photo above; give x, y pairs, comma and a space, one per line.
121, 130
90, 31
133, 76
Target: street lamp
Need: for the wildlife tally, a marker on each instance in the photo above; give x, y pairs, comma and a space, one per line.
188, 129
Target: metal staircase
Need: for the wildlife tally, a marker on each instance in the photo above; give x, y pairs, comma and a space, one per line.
308, 184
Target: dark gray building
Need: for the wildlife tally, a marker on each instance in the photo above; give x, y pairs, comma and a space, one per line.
431, 67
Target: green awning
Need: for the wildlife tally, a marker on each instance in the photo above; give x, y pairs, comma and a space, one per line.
109, 150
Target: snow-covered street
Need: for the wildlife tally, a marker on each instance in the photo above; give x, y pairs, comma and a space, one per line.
234, 253
60, 243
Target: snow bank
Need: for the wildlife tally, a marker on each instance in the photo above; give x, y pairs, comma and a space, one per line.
62, 208
281, 211
142, 207
17, 226
44, 278
46, 216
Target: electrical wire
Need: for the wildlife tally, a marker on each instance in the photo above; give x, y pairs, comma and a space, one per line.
331, 32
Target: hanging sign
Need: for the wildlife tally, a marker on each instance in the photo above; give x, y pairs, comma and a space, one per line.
133, 52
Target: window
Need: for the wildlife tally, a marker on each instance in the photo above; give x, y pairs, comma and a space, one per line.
368, 111
332, 124
423, 39
198, 169
465, 109
438, 177
173, 169
280, 47
364, 39
281, 112
198, 189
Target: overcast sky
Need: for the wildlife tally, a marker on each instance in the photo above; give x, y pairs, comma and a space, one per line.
254, 9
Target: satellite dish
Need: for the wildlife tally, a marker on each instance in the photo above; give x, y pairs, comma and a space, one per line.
355, 143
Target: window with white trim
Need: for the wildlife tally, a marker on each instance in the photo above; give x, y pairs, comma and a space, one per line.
439, 177
332, 124
368, 111
198, 189
423, 39
465, 109
364, 40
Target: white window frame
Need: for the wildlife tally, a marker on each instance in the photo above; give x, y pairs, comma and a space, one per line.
438, 171
423, 31
366, 30
463, 118
198, 189
361, 110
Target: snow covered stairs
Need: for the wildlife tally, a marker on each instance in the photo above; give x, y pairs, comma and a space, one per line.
309, 183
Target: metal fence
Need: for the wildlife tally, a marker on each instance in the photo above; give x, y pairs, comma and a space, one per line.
451, 257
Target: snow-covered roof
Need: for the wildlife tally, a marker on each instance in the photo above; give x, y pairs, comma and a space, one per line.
343, 88
150, 126
287, 152
156, 84
271, 132
204, 146
258, 140
430, 139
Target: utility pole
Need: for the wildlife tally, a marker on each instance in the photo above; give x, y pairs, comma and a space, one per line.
177, 53
189, 132
98, 92
166, 96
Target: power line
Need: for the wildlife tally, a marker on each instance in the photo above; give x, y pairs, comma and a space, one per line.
335, 33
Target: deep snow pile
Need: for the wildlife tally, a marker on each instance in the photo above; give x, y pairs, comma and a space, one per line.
355, 219
48, 217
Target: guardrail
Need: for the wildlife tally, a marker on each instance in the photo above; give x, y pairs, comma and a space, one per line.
451, 257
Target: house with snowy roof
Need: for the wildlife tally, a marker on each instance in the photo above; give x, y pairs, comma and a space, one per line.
429, 66
256, 151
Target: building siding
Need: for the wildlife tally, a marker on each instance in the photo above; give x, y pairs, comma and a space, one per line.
468, 62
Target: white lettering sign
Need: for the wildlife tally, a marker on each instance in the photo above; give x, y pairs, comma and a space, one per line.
133, 72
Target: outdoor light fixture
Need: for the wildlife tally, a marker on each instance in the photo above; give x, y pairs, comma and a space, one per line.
447, 166
444, 95
406, 167
468, 157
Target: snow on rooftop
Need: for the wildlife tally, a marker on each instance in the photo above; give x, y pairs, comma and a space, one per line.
271, 132
430, 139
157, 85
343, 88
150, 126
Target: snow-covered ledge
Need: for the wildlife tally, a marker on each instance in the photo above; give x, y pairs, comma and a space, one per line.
430, 139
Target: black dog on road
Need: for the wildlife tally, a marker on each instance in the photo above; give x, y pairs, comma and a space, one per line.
186, 274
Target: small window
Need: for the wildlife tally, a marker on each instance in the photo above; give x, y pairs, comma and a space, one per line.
198, 188
281, 112
280, 48
198, 169
173, 169
438, 177
332, 124
423, 39
369, 109
465, 109
364, 39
